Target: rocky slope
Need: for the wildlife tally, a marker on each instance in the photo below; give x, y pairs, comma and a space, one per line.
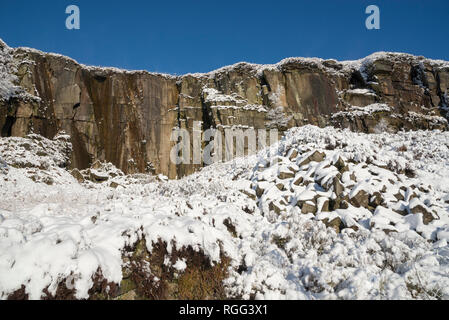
126, 117
325, 214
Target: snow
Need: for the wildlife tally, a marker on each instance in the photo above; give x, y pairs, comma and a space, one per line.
248, 107
9, 87
213, 95
432, 119
278, 117
366, 92
180, 265
356, 111
7, 69
47, 231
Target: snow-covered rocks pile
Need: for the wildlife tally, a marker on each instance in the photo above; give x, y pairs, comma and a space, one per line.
344, 190
9, 87
326, 214
99, 172
41, 159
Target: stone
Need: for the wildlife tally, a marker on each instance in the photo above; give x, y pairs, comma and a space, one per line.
280, 186
293, 155
259, 191
96, 165
77, 175
376, 200
308, 207
344, 169
286, 175
341, 165
98, 177
401, 212
361, 199
307, 182
338, 187
335, 224
108, 113
427, 215
325, 206
129, 296
389, 231
350, 223
298, 181
274, 207
359, 98
399, 196
353, 177
114, 185
250, 194
314, 157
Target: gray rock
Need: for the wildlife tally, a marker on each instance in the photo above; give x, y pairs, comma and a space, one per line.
3, 164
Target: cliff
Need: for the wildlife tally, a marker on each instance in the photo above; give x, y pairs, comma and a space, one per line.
126, 117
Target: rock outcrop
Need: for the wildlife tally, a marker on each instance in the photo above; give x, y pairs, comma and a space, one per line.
126, 117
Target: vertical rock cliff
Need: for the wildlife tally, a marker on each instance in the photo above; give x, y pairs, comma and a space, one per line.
126, 117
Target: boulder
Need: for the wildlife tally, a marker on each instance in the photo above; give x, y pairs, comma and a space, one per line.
399, 196
96, 176
376, 200
77, 175
298, 181
275, 207
335, 224
353, 177
323, 204
96, 165
339, 203
114, 185
308, 207
280, 186
341, 165
286, 175
361, 199
338, 187
314, 157
250, 194
416, 206
3, 164
293, 155
259, 191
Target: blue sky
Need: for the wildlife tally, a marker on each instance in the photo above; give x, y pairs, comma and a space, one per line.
198, 35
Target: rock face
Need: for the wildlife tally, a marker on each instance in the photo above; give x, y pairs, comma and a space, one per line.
127, 118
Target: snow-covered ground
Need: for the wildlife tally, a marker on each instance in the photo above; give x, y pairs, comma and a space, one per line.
7, 69
326, 214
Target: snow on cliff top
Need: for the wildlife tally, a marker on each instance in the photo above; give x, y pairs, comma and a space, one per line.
330, 65
50, 229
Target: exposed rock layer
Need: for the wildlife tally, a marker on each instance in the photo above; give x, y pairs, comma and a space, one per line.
126, 118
